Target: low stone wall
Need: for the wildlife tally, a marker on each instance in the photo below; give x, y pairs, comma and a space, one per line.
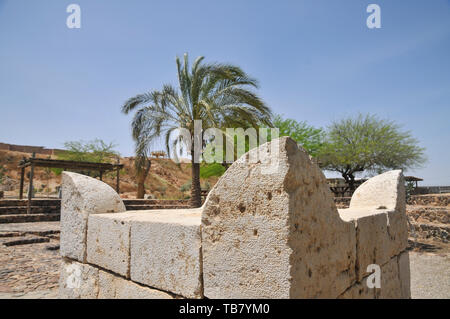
430, 200
342, 202
262, 233
27, 149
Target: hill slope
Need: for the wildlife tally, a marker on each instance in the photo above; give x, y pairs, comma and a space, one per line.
166, 179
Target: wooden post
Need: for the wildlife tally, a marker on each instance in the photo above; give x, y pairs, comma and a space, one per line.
22, 176
117, 177
30, 188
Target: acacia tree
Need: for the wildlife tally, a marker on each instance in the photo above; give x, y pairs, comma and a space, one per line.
218, 95
309, 137
367, 143
96, 151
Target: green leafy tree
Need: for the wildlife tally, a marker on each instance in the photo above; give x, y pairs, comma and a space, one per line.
367, 143
309, 137
96, 151
219, 95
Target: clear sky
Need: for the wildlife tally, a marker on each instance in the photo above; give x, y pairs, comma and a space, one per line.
315, 60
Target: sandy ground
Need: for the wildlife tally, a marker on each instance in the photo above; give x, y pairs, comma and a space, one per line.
430, 275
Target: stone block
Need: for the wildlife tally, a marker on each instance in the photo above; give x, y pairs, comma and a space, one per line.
111, 286
275, 233
359, 290
371, 237
77, 280
390, 281
81, 196
166, 251
384, 191
397, 232
108, 242
404, 274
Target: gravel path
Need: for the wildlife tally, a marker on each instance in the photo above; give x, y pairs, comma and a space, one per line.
430, 275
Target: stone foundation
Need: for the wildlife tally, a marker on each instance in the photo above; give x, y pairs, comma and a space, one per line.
260, 234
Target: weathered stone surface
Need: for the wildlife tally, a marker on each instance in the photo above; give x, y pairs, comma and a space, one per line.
78, 281
384, 191
378, 212
404, 274
390, 281
371, 237
397, 232
115, 287
165, 250
81, 196
359, 290
82, 281
108, 242
275, 234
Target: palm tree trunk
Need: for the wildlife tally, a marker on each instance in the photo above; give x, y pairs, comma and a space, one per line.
141, 176
140, 187
196, 195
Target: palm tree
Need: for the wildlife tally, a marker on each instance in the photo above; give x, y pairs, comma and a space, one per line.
219, 95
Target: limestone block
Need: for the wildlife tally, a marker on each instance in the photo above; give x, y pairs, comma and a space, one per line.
371, 237
81, 196
111, 286
275, 233
359, 290
166, 251
390, 281
404, 274
384, 193
386, 190
108, 242
397, 232
77, 281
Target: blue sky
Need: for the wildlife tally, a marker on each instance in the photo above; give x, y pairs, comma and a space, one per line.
315, 60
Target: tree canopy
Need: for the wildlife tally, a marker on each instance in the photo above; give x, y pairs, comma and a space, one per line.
96, 151
367, 143
309, 137
218, 95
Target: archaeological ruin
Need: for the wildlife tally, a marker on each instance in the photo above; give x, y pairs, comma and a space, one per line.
260, 234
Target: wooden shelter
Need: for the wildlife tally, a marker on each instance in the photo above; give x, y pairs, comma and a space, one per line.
33, 162
413, 179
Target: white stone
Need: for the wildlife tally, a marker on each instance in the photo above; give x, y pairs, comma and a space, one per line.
77, 281
378, 210
275, 234
166, 251
115, 287
108, 242
384, 191
81, 196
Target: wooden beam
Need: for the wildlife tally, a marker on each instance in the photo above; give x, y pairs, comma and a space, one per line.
40, 162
